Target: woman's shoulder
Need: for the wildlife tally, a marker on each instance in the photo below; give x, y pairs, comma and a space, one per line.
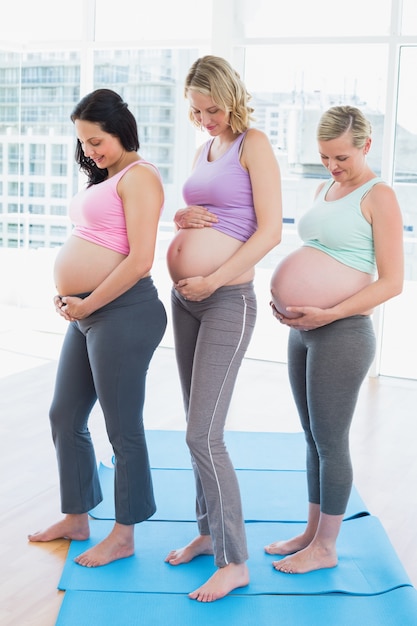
139, 171
377, 188
380, 199
146, 166
256, 136
256, 147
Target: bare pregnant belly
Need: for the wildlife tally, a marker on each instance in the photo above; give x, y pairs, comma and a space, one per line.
201, 251
309, 277
80, 266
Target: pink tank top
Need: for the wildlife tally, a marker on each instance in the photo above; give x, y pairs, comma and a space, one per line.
98, 216
223, 187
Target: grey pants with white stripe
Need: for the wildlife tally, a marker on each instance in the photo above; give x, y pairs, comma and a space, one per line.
211, 338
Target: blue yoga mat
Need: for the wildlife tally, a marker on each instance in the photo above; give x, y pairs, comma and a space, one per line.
248, 450
91, 608
368, 564
267, 495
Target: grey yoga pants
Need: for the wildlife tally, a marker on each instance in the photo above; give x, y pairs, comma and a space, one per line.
106, 357
211, 338
326, 369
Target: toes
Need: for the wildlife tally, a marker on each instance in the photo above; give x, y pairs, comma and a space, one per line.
280, 567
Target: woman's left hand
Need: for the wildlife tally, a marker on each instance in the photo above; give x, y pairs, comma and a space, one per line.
196, 288
74, 308
308, 317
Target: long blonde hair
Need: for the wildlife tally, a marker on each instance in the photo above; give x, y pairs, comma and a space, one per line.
214, 76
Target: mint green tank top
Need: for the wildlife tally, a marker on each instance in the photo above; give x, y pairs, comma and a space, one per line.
338, 228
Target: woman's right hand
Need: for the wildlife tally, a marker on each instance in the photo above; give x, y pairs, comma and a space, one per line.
194, 217
59, 303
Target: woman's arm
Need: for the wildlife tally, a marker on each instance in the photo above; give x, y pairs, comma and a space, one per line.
262, 165
381, 209
142, 196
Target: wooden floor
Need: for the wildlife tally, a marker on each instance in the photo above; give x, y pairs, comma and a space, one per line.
383, 444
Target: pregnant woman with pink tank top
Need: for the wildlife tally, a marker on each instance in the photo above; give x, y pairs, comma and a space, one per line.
116, 320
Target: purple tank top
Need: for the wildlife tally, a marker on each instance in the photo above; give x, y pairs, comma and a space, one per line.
223, 187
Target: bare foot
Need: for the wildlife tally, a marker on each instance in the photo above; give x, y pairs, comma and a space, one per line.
283, 548
198, 546
71, 527
312, 558
119, 544
223, 581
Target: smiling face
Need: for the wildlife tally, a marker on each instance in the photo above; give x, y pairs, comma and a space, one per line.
104, 149
344, 161
207, 113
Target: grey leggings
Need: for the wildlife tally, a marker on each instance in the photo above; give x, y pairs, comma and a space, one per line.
106, 356
326, 369
211, 338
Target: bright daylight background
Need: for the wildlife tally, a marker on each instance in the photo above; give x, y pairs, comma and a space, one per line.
297, 59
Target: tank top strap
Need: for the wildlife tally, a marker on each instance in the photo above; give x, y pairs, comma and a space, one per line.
371, 183
202, 157
120, 174
325, 188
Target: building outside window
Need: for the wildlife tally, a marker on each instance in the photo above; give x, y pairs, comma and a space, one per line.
294, 70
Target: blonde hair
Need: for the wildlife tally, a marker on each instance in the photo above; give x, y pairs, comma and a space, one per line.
213, 76
344, 119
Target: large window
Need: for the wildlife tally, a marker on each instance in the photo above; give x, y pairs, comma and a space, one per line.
297, 58
399, 339
291, 85
305, 19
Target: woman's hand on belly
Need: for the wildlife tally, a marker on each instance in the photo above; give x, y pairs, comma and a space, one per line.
194, 217
304, 317
60, 308
196, 288
310, 316
72, 308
